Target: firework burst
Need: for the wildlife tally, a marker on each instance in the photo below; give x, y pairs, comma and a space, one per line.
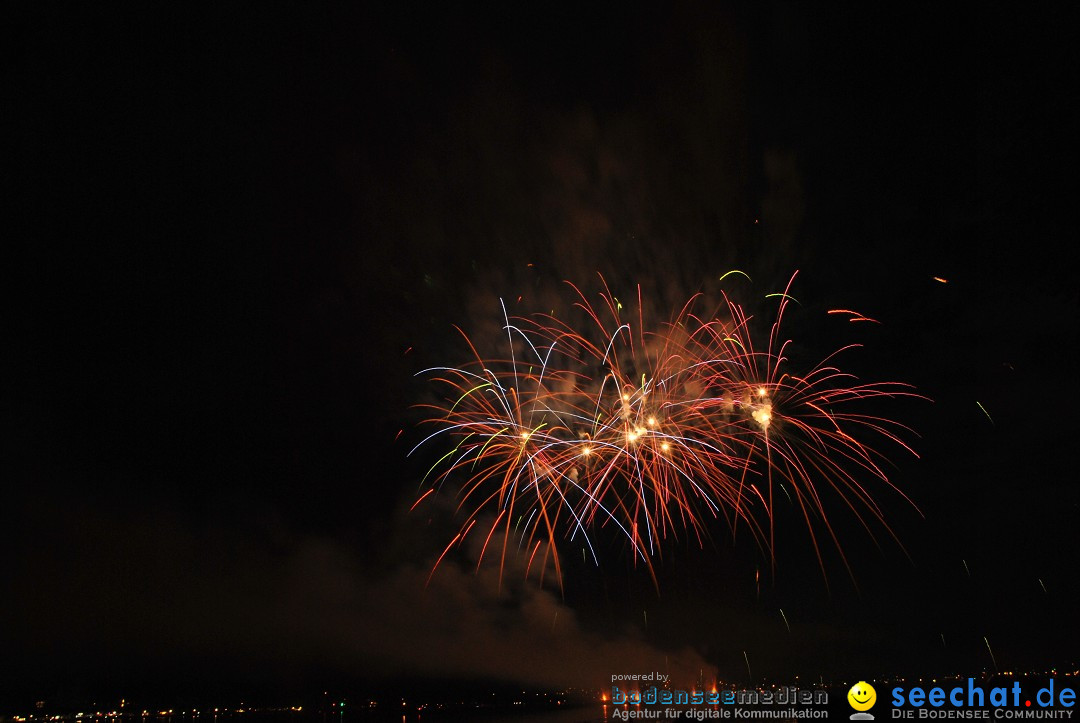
607, 420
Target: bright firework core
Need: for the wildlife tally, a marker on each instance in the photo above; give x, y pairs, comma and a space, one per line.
762, 414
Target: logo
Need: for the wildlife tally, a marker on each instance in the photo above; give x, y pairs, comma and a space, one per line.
977, 700
862, 697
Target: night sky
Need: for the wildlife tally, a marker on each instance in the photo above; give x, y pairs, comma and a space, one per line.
242, 230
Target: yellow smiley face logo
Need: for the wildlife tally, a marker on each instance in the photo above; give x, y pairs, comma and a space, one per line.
862, 696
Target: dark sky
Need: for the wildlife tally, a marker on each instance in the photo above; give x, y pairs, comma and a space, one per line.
234, 222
